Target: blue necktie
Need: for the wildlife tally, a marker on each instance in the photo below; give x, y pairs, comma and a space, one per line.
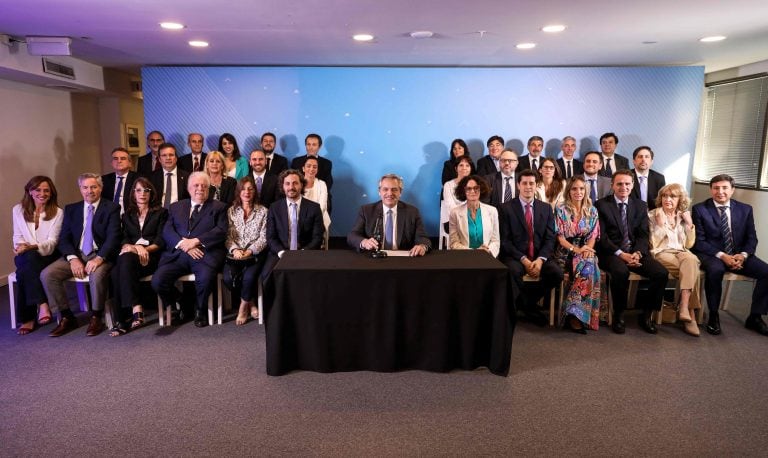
725, 229
88, 232
258, 185
118, 191
294, 227
643, 188
592, 191
388, 231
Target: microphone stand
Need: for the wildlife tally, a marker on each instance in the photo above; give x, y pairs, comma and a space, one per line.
377, 235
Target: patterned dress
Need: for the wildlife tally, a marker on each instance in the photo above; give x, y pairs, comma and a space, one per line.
582, 299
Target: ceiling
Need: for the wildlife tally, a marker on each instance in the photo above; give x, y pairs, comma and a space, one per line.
126, 35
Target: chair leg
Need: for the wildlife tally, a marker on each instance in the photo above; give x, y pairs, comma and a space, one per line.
220, 297
726, 295
12, 298
261, 301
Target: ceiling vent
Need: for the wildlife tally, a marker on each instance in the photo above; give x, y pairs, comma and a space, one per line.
54, 68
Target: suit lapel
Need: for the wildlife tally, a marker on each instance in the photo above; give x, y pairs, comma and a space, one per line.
464, 222
400, 223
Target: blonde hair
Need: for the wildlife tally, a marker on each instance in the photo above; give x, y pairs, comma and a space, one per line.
586, 202
215, 155
677, 190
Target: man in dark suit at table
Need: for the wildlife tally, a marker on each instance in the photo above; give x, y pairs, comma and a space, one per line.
118, 184
527, 246
398, 222
151, 161
624, 248
89, 241
502, 183
612, 161
489, 164
195, 160
647, 181
598, 186
266, 182
569, 164
194, 236
276, 163
293, 223
532, 160
170, 181
726, 241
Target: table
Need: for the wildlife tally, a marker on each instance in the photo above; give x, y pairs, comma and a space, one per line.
338, 310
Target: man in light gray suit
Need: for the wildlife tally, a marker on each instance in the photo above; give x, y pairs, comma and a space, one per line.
598, 186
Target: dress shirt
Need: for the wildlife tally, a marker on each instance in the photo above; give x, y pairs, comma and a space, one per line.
85, 218
174, 184
385, 209
618, 205
496, 163
122, 190
613, 162
512, 185
730, 226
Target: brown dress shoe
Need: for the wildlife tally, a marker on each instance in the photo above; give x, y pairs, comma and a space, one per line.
95, 326
65, 325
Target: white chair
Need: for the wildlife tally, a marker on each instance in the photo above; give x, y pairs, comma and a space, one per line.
729, 278
442, 241
634, 282
528, 279
164, 319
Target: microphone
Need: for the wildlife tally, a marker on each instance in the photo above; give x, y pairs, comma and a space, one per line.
379, 237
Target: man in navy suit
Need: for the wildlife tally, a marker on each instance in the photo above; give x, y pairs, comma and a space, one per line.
313, 143
398, 222
195, 160
194, 236
266, 182
89, 241
612, 161
151, 161
528, 244
568, 164
726, 242
293, 223
169, 181
647, 181
502, 183
624, 248
276, 163
118, 184
489, 164
532, 160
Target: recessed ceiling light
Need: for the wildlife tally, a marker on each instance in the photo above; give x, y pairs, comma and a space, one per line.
362, 37
171, 25
525, 45
198, 43
712, 39
554, 28
422, 34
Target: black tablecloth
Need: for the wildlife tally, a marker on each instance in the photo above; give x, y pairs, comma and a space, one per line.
338, 310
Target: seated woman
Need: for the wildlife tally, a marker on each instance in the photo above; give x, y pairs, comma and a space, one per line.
222, 186
235, 164
463, 168
143, 223
549, 186
672, 236
317, 191
246, 239
473, 225
578, 228
36, 225
458, 149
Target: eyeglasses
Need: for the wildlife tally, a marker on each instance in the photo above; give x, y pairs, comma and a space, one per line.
507, 161
142, 190
472, 189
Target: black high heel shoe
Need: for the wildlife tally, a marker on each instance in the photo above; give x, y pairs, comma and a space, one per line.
569, 323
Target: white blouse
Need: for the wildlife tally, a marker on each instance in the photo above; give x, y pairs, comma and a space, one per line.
45, 237
319, 193
449, 200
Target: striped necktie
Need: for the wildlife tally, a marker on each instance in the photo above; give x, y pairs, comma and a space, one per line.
725, 229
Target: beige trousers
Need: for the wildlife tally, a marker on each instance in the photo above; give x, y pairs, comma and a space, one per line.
685, 266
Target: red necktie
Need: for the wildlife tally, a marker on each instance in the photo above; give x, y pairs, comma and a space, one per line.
196, 166
529, 223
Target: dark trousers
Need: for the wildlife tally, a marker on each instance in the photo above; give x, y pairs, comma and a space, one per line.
125, 282
247, 285
166, 275
30, 289
551, 276
754, 267
618, 272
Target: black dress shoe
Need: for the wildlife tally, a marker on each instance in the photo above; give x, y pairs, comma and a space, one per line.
713, 324
201, 319
646, 322
618, 326
755, 323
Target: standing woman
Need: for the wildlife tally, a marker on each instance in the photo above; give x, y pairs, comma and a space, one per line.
235, 165
143, 242
222, 186
474, 225
246, 239
578, 228
317, 191
672, 236
458, 148
36, 225
463, 168
550, 183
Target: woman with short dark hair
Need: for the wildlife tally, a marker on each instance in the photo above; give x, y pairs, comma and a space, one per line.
473, 225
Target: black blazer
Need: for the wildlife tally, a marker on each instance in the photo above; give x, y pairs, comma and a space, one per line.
656, 181
226, 191
514, 233
269, 189
277, 164
486, 166
524, 162
709, 239
577, 167
410, 229
610, 225
324, 168
158, 181
210, 228
185, 162
311, 228
108, 192
152, 231
144, 166
620, 163
106, 229
497, 183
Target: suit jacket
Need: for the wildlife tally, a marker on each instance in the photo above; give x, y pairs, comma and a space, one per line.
525, 162
186, 163
144, 166
226, 191
158, 181
620, 163
458, 228
270, 191
604, 188
709, 239
106, 229
486, 166
210, 228
311, 228
514, 233
324, 168
577, 166
409, 231
277, 164
108, 192
152, 231
610, 226
497, 184
656, 181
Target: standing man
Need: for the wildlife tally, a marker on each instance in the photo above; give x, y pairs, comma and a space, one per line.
568, 164
726, 241
170, 182
400, 223
532, 160
624, 248
194, 236
502, 183
151, 161
489, 164
598, 186
118, 184
275, 162
293, 223
611, 161
266, 183
647, 182
89, 241
195, 160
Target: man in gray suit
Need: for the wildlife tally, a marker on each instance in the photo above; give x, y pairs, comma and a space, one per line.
598, 186
399, 223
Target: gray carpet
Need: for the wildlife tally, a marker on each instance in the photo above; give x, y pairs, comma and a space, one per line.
190, 392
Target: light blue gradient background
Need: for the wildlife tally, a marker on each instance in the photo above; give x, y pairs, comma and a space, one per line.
402, 120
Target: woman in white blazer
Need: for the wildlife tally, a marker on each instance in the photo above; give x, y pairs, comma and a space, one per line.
473, 225
36, 225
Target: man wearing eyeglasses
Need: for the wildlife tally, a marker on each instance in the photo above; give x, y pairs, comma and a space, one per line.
118, 184
502, 183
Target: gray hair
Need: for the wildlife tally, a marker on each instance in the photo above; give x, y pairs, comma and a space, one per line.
84, 176
204, 176
568, 137
392, 176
